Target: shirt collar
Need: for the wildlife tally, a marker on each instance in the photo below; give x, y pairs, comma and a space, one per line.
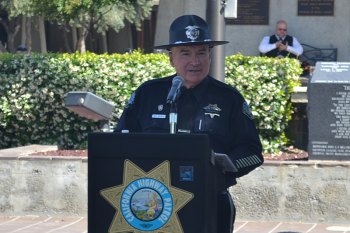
198, 91
279, 38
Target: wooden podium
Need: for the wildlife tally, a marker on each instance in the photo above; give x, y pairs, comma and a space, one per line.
151, 183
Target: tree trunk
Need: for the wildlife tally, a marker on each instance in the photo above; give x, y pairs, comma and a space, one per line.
74, 36
66, 30
29, 34
23, 30
12, 28
3, 35
104, 43
42, 34
82, 34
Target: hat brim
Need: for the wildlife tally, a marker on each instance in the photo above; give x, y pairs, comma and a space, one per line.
210, 43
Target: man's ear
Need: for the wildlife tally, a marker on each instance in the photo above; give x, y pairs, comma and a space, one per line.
171, 58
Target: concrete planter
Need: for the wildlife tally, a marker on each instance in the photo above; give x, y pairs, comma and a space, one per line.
42, 185
293, 191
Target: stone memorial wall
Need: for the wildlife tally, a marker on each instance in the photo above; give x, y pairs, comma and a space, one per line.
329, 111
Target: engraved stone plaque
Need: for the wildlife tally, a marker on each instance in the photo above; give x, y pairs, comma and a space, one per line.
251, 12
329, 111
315, 7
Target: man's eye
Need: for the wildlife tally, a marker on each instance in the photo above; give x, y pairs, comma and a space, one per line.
203, 54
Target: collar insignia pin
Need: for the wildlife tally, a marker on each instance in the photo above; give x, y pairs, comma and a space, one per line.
212, 110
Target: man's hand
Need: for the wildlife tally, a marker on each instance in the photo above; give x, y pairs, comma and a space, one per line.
278, 44
282, 47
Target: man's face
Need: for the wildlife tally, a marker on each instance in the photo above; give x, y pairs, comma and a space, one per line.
191, 62
281, 29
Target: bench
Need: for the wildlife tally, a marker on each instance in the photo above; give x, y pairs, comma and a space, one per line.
313, 54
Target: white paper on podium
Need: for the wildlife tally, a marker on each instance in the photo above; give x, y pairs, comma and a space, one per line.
223, 161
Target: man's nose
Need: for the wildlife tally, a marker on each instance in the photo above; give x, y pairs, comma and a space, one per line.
195, 59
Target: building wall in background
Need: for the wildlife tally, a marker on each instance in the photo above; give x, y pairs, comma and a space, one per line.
318, 31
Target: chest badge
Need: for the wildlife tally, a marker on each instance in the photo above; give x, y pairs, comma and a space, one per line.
160, 107
212, 110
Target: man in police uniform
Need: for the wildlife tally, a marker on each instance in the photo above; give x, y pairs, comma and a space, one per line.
204, 105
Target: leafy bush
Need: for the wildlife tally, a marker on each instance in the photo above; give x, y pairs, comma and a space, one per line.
267, 85
33, 88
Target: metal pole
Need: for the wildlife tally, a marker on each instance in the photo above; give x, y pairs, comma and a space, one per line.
173, 117
216, 22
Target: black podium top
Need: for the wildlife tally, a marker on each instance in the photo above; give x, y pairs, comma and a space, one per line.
149, 145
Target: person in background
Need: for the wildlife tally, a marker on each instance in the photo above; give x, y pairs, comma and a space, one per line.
22, 49
280, 44
204, 106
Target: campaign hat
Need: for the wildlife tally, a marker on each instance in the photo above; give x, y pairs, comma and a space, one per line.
189, 30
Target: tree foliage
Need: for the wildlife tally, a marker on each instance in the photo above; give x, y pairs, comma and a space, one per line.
101, 14
85, 15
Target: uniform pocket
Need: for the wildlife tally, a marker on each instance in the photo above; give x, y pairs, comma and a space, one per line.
156, 123
214, 125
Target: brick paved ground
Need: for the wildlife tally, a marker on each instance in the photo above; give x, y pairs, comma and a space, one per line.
41, 224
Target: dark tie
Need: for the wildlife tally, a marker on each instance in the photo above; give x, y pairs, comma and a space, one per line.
186, 111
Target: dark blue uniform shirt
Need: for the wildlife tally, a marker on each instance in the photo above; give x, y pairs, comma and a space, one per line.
212, 108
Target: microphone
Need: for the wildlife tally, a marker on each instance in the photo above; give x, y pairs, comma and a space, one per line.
175, 89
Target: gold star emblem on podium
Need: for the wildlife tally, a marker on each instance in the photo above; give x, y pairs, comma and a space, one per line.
166, 221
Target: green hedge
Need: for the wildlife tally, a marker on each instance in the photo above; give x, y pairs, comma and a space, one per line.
267, 84
33, 88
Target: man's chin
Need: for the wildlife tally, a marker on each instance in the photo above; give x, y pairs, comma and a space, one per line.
194, 80
195, 74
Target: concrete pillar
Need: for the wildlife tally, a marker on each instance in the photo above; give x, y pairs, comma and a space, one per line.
216, 22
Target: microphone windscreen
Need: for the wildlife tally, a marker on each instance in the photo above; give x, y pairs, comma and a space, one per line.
178, 79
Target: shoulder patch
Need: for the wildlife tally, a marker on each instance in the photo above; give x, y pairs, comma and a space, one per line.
246, 111
131, 100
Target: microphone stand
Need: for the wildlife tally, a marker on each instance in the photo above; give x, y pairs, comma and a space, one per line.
173, 117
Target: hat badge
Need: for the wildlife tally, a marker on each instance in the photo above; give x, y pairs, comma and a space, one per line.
192, 32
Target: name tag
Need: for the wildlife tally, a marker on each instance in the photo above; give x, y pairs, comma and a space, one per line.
183, 131
158, 116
